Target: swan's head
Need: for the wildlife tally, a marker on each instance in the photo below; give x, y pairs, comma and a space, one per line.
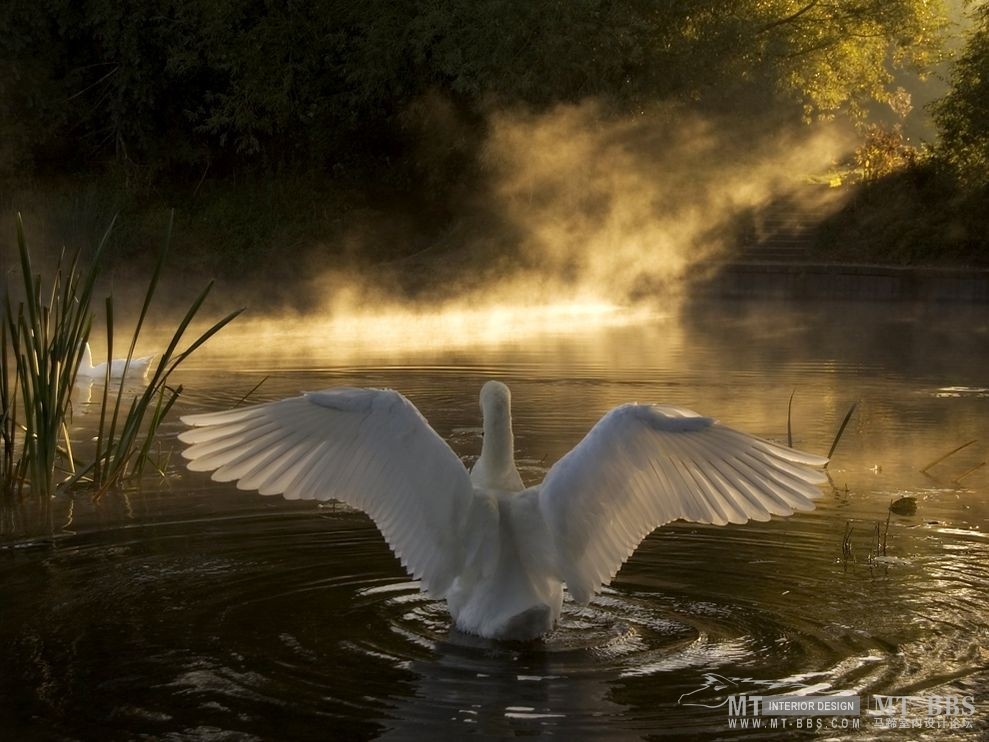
496, 403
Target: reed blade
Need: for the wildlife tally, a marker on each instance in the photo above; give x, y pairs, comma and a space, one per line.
950, 453
789, 428
841, 430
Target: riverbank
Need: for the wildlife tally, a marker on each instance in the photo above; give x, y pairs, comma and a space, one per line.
825, 281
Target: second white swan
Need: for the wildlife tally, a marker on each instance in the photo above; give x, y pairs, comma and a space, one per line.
138, 368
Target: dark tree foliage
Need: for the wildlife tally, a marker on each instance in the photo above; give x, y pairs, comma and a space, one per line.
962, 116
917, 215
187, 84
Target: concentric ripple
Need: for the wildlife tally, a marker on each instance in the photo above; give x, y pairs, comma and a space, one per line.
286, 625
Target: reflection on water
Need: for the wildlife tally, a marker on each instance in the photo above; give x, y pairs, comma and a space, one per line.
193, 611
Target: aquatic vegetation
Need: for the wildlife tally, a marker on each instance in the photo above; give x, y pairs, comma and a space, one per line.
877, 546
41, 351
905, 505
950, 453
44, 340
789, 419
970, 470
847, 551
838, 434
880, 549
841, 429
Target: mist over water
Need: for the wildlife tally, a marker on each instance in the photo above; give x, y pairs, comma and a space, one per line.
578, 214
625, 206
574, 213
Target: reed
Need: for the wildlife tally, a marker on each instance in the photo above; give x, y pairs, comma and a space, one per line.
43, 341
247, 396
950, 453
42, 346
846, 542
972, 470
12, 472
789, 426
841, 430
881, 542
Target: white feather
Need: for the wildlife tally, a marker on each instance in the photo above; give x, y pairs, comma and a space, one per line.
369, 448
645, 465
497, 552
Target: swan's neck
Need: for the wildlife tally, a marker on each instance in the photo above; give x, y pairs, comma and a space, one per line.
498, 447
495, 469
87, 357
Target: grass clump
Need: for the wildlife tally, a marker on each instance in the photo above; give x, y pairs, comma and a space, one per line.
43, 340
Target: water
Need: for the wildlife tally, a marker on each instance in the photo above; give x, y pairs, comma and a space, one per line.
189, 610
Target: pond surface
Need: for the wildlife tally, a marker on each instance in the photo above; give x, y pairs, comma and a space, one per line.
190, 610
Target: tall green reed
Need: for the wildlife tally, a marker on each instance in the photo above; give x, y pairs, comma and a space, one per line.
42, 346
43, 342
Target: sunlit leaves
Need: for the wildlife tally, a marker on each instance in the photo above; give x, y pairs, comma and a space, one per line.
963, 115
193, 81
839, 55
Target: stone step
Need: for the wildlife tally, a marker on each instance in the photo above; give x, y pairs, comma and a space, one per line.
782, 231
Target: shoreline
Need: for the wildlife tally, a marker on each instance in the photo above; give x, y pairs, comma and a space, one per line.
855, 281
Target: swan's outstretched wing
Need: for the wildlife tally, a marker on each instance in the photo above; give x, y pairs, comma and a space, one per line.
369, 448
645, 465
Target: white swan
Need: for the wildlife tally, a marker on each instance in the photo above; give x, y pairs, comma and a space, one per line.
498, 552
138, 368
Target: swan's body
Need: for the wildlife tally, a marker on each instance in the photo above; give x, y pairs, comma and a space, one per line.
500, 553
137, 369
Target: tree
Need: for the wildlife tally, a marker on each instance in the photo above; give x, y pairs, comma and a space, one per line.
190, 82
962, 116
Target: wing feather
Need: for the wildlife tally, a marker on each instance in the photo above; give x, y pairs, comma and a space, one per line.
369, 448
645, 465
215, 452
282, 476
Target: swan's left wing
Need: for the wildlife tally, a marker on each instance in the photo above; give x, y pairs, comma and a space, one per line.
370, 448
645, 465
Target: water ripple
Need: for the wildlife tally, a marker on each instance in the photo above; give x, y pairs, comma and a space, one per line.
243, 621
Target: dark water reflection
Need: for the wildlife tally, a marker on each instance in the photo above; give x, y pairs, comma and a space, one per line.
192, 611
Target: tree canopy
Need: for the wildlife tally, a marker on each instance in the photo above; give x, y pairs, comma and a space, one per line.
180, 83
963, 114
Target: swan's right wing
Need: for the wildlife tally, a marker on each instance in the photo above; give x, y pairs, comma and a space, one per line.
645, 465
369, 448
